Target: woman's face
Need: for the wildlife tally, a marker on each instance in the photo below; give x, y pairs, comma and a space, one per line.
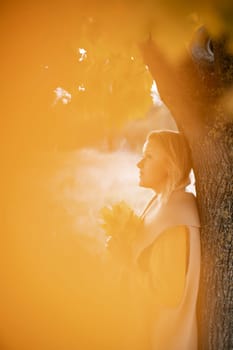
153, 166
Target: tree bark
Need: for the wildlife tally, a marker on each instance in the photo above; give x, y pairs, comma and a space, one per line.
193, 92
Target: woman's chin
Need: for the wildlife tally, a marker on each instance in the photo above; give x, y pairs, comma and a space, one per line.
141, 183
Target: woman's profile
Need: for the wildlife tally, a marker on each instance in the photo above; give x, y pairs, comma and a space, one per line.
166, 254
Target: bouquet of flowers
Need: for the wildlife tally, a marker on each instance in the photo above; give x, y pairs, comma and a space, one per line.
121, 226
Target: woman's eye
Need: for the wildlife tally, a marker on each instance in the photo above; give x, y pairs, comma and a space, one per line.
148, 156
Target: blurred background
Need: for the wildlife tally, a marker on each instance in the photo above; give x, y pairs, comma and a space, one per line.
77, 104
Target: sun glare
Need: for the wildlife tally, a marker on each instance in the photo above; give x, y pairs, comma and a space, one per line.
62, 95
83, 54
81, 88
155, 94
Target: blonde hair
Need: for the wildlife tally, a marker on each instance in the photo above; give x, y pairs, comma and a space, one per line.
178, 157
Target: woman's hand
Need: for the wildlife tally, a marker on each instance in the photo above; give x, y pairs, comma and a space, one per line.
119, 251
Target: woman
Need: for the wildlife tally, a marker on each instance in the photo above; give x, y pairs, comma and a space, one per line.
162, 263
168, 252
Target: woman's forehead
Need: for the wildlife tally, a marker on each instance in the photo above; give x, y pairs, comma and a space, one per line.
152, 147
145, 147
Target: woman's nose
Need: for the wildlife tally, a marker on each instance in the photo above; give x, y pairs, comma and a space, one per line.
140, 163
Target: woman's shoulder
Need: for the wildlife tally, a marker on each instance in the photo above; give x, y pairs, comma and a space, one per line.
181, 209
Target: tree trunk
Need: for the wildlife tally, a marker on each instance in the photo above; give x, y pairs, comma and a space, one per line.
193, 92
213, 169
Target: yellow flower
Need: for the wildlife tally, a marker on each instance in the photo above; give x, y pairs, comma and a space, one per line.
121, 226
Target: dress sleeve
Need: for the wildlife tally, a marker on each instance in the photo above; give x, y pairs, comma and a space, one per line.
167, 266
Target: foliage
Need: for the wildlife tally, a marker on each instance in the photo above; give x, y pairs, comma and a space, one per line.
107, 83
